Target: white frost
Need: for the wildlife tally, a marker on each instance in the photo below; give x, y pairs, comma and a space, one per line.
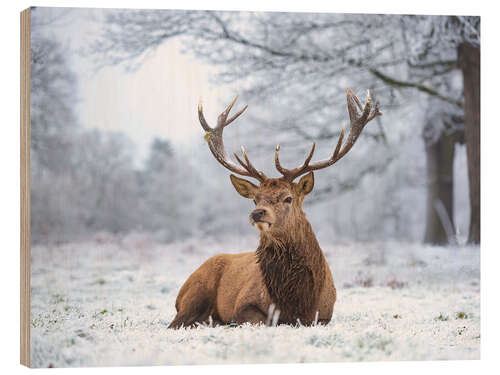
103, 303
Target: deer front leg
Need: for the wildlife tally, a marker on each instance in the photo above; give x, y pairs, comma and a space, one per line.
252, 304
250, 314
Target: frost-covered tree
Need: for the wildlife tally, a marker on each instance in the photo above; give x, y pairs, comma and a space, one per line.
160, 197
53, 124
53, 88
469, 60
294, 67
412, 53
440, 46
82, 181
106, 182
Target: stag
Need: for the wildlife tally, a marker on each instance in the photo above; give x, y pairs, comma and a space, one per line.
287, 276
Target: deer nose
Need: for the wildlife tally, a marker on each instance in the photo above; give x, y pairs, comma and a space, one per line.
257, 214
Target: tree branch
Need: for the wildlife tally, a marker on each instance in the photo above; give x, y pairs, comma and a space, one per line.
397, 83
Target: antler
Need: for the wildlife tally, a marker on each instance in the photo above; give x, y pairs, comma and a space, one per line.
215, 142
358, 122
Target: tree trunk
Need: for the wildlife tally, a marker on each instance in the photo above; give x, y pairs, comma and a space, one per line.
469, 61
440, 153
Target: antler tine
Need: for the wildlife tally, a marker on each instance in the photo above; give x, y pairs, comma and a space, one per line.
358, 122
351, 105
311, 153
239, 160
236, 115
215, 142
221, 120
203, 122
375, 112
230, 106
355, 98
277, 163
366, 111
249, 166
339, 143
290, 174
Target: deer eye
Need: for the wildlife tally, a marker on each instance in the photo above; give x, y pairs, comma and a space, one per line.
288, 200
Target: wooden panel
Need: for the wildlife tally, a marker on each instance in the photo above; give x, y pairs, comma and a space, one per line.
25, 188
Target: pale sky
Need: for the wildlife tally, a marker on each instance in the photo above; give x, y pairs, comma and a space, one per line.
159, 99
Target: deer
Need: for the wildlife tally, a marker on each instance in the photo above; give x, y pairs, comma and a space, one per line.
287, 277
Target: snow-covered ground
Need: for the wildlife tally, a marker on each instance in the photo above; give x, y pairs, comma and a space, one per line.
109, 301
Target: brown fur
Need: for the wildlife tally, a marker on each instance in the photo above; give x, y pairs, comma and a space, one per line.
288, 269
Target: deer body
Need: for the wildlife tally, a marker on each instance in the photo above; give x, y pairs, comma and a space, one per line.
287, 277
289, 272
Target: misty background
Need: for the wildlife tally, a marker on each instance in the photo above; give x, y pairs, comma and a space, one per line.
116, 146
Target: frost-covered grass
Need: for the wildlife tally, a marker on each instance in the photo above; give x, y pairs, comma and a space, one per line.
109, 301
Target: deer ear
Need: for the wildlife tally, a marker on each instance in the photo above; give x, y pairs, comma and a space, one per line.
243, 187
306, 183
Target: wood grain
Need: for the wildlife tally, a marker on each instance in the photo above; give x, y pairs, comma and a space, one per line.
25, 188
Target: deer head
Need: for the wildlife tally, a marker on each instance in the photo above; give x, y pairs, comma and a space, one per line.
278, 201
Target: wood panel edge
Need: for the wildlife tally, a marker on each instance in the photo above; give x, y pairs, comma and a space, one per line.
25, 270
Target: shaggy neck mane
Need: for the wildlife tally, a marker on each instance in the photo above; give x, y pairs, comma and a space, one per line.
292, 266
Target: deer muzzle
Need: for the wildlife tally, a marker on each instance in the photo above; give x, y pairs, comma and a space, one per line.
260, 218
